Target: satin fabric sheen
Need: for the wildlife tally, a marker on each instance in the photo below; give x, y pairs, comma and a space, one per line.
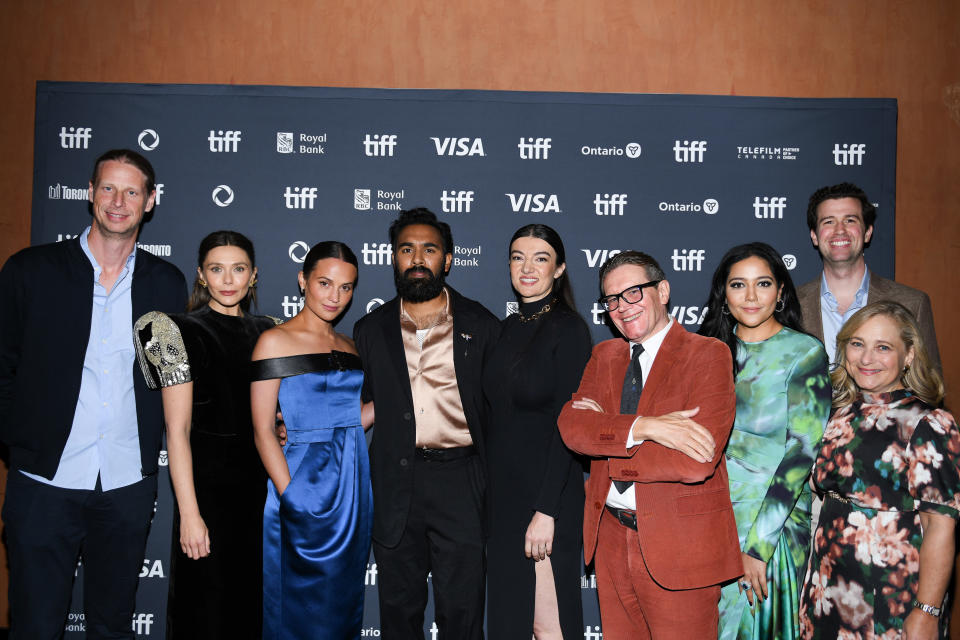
316, 537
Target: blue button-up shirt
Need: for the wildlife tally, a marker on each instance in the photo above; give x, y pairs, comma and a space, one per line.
832, 319
104, 439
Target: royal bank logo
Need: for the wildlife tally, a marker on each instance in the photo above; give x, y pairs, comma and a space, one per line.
301, 143
63, 192
458, 146
379, 200
767, 207
224, 141
377, 253
148, 140
222, 195
379, 144
534, 148
609, 204
630, 150
361, 199
689, 150
847, 154
512, 307
768, 153
300, 197
688, 259
298, 251
533, 202
456, 201
466, 256
710, 206
75, 137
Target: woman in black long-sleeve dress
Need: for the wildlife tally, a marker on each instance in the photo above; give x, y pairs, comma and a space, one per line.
201, 360
535, 482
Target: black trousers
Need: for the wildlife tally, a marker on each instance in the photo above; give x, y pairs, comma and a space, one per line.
48, 528
444, 535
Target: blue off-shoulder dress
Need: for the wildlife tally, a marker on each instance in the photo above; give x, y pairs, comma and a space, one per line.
316, 536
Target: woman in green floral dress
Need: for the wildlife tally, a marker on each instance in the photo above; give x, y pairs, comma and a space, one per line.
783, 400
883, 551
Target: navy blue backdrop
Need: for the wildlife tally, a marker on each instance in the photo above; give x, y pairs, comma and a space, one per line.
680, 177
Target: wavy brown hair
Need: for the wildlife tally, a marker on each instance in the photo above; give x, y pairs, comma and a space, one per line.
921, 377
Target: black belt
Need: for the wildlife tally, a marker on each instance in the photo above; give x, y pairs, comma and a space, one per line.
626, 517
444, 455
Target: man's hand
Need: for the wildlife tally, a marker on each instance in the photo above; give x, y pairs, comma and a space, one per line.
588, 404
538, 543
677, 431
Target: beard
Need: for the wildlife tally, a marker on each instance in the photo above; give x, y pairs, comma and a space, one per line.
418, 289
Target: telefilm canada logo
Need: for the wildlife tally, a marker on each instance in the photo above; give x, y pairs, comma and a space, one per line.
763, 152
301, 143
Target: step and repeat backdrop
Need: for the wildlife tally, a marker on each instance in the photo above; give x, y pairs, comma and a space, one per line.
683, 178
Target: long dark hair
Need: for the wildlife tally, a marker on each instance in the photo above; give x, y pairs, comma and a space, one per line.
720, 325
562, 290
200, 296
329, 249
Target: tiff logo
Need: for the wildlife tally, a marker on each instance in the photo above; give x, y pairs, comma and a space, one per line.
142, 623
379, 144
769, 207
370, 579
76, 137
377, 253
224, 141
592, 633
689, 151
291, 305
456, 201
299, 197
849, 154
688, 259
534, 148
610, 204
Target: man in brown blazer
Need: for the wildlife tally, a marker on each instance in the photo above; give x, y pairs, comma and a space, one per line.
657, 519
840, 218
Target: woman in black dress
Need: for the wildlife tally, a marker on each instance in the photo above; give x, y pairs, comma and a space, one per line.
201, 359
535, 482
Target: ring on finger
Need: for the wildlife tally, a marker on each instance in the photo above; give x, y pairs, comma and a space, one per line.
746, 585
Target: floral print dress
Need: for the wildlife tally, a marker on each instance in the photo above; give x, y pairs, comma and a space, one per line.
885, 458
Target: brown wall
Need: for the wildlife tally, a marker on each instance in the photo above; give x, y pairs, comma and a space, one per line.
814, 48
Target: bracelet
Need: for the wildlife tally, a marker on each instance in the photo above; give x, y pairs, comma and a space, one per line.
927, 608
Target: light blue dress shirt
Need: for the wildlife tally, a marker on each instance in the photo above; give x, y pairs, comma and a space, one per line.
104, 439
832, 319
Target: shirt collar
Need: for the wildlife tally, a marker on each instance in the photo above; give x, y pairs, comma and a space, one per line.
652, 344
827, 296
97, 269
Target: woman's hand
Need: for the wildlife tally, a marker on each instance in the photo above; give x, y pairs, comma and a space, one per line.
755, 574
538, 543
194, 537
920, 626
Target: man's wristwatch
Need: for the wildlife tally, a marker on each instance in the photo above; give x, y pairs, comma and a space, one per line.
927, 608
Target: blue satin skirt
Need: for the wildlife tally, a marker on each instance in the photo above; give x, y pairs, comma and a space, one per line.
316, 538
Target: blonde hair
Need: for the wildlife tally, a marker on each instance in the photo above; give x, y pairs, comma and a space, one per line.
920, 377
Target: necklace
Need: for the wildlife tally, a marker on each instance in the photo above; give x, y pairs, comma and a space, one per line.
546, 309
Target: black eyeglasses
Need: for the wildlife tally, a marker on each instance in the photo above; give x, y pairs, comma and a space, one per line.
631, 295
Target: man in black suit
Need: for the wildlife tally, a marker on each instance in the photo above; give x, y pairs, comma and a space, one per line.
423, 354
84, 433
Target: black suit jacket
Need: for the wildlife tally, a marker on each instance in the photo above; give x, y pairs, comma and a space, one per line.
387, 383
47, 303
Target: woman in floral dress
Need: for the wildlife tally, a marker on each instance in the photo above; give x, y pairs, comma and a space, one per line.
783, 399
888, 469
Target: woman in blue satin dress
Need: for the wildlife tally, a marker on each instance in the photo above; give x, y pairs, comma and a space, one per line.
319, 509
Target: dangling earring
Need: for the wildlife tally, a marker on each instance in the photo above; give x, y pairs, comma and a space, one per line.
724, 310
253, 283
202, 283
780, 305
